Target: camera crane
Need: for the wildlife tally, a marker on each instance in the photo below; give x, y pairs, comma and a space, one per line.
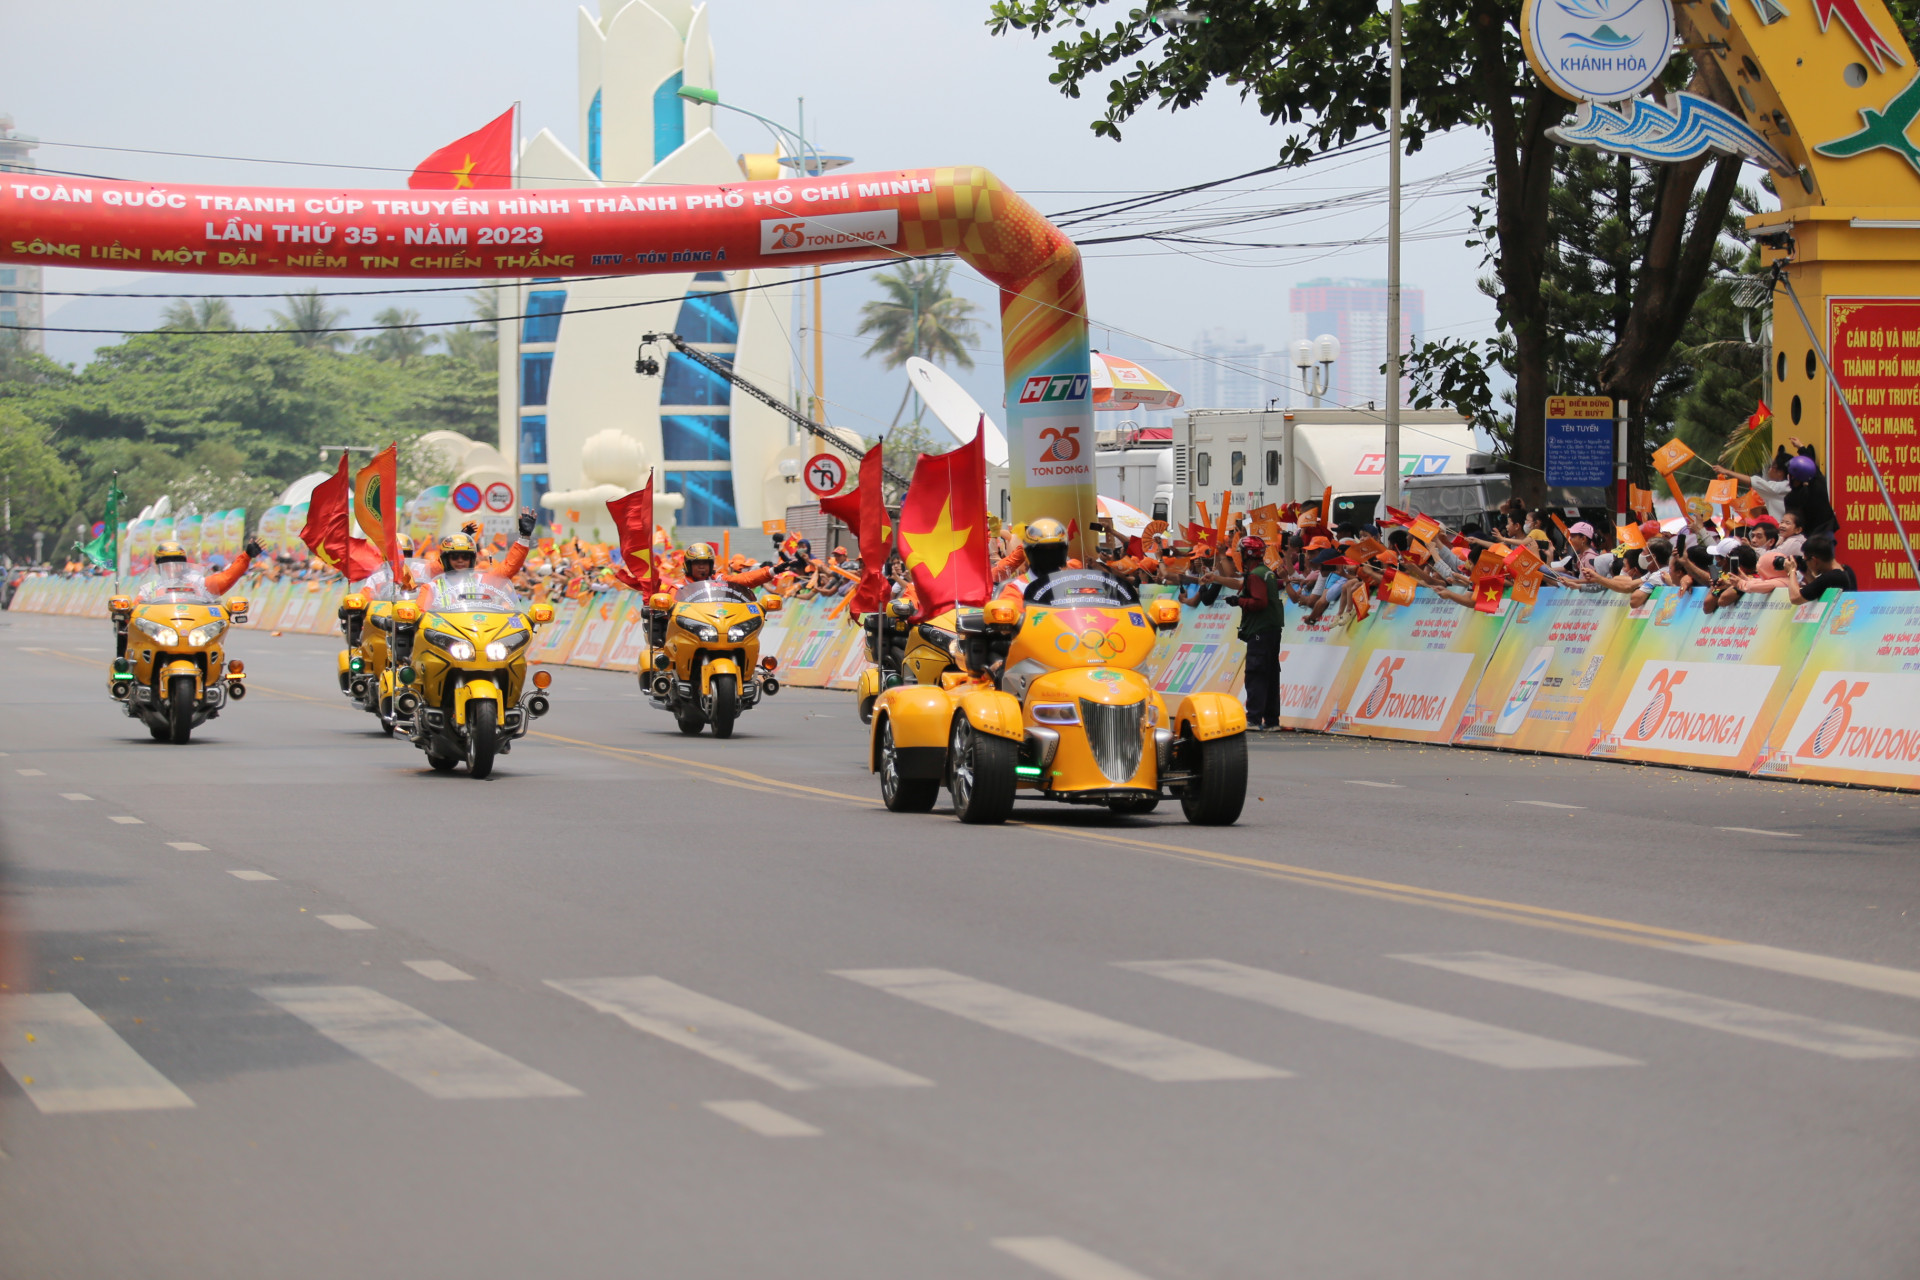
648, 366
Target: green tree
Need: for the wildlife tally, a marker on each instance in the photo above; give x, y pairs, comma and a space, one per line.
402, 340
919, 316
310, 322
1321, 71
38, 486
199, 315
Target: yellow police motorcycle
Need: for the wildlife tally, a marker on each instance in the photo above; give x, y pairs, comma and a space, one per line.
170, 670
464, 692
901, 652
703, 654
366, 665
1049, 705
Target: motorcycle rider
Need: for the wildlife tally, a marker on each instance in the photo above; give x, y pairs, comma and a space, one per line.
1043, 545
171, 571
459, 554
700, 562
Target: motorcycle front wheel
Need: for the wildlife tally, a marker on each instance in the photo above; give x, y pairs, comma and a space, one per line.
726, 705
180, 700
483, 735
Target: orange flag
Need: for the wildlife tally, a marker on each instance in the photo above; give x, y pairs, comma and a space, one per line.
1723, 490
863, 509
943, 528
1629, 537
1400, 590
633, 517
326, 532
1669, 457
373, 500
483, 159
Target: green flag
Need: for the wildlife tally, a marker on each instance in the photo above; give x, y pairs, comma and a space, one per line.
104, 551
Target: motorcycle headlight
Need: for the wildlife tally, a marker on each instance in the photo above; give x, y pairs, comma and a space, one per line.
741, 630
700, 630
498, 651
207, 634
460, 651
445, 640
160, 631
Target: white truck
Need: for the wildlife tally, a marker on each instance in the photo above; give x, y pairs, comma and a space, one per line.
1294, 455
1140, 476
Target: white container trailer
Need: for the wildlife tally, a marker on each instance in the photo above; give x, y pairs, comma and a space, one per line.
1293, 455
1141, 477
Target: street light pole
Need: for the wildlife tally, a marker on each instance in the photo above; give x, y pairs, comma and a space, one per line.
1390, 474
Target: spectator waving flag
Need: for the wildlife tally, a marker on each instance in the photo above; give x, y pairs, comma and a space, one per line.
482, 159
943, 528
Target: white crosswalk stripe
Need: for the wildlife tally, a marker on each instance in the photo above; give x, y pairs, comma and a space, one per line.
1853, 973
422, 1051
67, 1060
1427, 1028
763, 1119
1088, 1035
738, 1037
1064, 1259
1836, 1038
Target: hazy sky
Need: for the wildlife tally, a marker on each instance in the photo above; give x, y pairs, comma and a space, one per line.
376, 86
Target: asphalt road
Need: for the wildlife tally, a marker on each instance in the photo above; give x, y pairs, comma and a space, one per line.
643, 1005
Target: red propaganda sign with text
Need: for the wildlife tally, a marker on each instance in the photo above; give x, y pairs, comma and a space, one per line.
1874, 344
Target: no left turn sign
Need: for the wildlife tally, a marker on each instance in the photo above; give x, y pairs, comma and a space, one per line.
825, 473
499, 496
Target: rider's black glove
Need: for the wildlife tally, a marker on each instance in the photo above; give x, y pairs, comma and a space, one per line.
527, 521
254, 549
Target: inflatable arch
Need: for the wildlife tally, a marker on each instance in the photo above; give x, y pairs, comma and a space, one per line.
259, 231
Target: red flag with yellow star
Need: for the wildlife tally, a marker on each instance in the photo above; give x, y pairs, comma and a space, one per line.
864, 510
484, 158
326, 532
943, 528
633, 517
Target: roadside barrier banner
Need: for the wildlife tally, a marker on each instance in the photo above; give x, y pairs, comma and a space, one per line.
1550, 666
1203, 655
555, 640
1703, 688
629, 647
1854, 713
814, 644
1412, 669
604, 617
1312, 656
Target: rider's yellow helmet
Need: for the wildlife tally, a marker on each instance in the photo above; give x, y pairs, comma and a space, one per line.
406, 546
169, 550
1045, 532
456, 544
700, 551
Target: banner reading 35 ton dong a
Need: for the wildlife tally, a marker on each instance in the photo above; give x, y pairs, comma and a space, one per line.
1854, 713
1413, 668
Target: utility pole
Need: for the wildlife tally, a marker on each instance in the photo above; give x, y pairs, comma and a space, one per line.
1390, 476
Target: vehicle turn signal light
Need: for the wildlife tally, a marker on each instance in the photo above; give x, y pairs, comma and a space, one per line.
773, 604
237, 607
1002, 613
659, 600
406, 611
769, 662
356, 601
120, 604
1165, 613
541, 679
236, 668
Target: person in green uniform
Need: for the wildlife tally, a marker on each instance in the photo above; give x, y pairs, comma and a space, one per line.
1262, 604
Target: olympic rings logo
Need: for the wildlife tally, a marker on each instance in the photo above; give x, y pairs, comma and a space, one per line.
1102, 644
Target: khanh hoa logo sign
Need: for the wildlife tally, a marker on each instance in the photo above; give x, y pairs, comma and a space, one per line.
1597, 50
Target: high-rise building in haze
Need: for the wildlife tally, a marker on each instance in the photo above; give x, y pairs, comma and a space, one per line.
1234, 373
1355, 311
20, 285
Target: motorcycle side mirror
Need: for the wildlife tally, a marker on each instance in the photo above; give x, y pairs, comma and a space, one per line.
1165, 614
773, 604
659, 600
541, 613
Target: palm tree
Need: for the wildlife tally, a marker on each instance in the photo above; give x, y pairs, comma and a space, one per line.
311, 320
401, 341
199, 315
920, 316
475, 345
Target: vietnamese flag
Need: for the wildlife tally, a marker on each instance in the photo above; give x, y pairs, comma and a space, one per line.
1759, 417
326, 532
942, 529
864, 510
482, 159
633, 517
373, 501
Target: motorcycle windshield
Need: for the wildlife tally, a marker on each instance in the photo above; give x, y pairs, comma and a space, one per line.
1082, 588
175, 584
380, 584
713, 591
466, 591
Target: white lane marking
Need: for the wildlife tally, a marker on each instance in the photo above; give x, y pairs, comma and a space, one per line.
346, 922
1733, 1016
74, 795
729, 1034
1088, 1035
1366, 782
438, 970
67, 1059
30, 773
1427, 1028
1852, 973
1761, 831
126, 820
763, 1119
186, 846
251, 875
1064, 1259
427, 1054
1548, 804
